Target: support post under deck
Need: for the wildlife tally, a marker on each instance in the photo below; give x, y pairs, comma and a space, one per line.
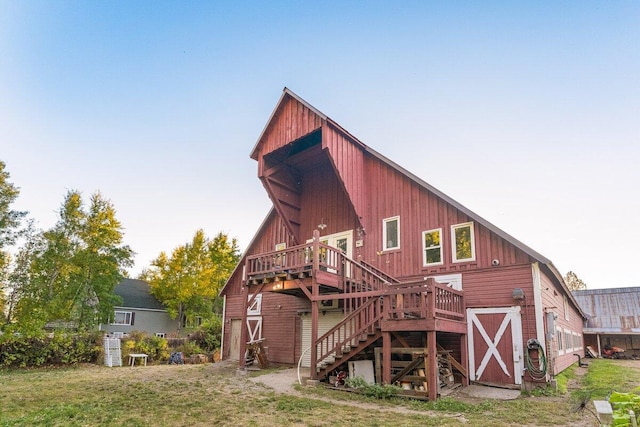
432, 358
386, 357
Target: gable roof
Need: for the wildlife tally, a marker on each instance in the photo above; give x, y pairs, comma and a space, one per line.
137, 294
289, 94
614, 310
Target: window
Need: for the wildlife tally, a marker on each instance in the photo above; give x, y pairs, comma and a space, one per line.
432, 247
559, 337
565, 303
123, 318
463, 242
391, 233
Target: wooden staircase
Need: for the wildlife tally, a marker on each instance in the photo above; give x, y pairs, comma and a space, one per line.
374, 303
356, 332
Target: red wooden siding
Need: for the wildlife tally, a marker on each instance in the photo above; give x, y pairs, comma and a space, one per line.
553, 300
348, 160
389, 194
292, 121
281, 329
492, 287
324, 200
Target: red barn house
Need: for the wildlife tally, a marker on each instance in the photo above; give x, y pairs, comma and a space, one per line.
362, 265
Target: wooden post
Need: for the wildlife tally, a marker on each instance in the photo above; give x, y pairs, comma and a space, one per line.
243, 327
431, 298
386, 357
464, 359
399, 306
314, 306
432, 373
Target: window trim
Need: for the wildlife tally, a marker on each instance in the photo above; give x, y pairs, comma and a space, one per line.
424, 249
472, 233
255, 309
127, 314
385, 240
452, 280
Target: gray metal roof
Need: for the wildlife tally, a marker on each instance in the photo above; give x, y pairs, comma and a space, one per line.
615, 310
137, 294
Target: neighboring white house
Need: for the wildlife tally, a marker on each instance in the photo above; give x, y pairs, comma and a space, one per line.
140, 311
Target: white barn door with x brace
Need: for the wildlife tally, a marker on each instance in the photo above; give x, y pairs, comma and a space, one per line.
495, 345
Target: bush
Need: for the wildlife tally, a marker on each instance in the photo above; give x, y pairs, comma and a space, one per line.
57, 349
138, 342
188, 348
207, 337
377, 391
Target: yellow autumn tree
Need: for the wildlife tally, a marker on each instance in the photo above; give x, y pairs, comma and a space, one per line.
188, 281
574, 283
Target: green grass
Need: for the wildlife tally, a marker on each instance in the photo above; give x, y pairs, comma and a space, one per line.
204, 395
606, 375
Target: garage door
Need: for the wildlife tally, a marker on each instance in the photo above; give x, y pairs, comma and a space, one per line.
326, 322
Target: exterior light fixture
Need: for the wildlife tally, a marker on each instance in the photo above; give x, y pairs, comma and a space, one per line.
517, 294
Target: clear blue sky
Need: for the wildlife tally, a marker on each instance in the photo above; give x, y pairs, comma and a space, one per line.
528, 113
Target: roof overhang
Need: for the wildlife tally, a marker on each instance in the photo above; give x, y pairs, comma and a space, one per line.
611, 331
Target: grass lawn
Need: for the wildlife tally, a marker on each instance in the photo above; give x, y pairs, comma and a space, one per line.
217, 395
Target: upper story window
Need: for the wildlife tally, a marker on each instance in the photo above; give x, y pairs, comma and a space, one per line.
122, 318
463, 242
391, 233
432, 247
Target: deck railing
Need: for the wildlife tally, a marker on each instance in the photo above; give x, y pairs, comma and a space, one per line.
359, 277
290, 259
424, 300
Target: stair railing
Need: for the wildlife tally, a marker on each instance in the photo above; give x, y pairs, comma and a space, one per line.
362, 322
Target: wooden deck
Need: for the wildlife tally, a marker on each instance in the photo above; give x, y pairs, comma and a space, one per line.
374, 304
324, 273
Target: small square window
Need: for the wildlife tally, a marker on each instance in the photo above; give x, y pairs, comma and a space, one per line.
432, 247
391, 233
463, 242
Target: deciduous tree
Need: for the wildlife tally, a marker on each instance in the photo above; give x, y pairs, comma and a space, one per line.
189, 281
574, 282
10, 221
73, 273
